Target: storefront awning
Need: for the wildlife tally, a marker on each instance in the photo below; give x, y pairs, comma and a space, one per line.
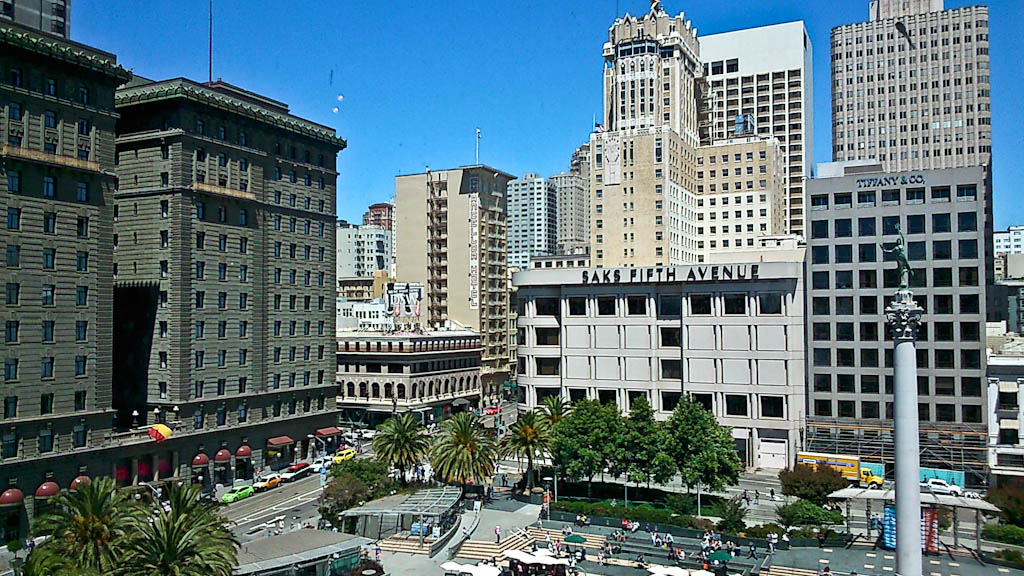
47, 490
78, 482
222, 456
200, 460
243, 452
280, 441
12, 497
329, 431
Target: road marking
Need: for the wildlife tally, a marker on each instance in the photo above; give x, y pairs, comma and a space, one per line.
888, 557
823, 561
936, 562
887, 568
869, 566
829, 550
1004, 570
955, 564
936, 573
872, 555
274, 508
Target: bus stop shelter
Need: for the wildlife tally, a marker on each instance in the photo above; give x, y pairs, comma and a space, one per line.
869, 495
412, 513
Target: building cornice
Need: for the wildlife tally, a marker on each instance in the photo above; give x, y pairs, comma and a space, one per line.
65, 52
182, 88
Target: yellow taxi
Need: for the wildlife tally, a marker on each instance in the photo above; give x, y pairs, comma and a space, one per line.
344, 456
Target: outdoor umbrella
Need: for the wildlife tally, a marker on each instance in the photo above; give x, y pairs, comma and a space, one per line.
720, 555
701, 573
658, 570
575, 539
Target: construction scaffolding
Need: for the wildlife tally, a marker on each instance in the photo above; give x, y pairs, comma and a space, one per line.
947, 446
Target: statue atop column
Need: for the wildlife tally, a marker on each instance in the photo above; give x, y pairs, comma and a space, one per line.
656, 6
899, 253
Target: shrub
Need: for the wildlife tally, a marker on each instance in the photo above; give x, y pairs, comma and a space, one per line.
1005, 533
643, 514
1010, 502
682, 503
15, 546
809, 483
731, 514
762, 530
807, 513
1009, 556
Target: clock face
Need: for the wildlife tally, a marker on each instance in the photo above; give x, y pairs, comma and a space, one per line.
612, 150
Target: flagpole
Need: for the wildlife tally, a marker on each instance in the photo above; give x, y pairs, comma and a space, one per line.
477, 146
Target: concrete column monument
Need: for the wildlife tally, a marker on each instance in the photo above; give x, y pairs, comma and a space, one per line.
903, 316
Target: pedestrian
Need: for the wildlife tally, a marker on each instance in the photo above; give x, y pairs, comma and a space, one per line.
376, 552
757, 497
753, 552
746, 497
772, 493
821, 539
497, 534
614, 502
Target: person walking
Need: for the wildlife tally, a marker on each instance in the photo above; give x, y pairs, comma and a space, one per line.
757, 497
753, 552
497, 534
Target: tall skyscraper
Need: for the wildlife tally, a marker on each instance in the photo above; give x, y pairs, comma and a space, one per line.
50, 16
224, 263
763, 74
439, 214
532, 219
911, 87
643, 171
362, 250
573, 191
57, 191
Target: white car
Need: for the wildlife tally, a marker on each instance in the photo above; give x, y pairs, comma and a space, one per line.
939, 486
321, 463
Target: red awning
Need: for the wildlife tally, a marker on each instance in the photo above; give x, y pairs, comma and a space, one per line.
243, 452
200, 460
280, 441
329, 431
47, 490
222, 456
12, 497
78, 482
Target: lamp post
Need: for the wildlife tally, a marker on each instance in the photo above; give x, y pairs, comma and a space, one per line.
903, 316
323, 444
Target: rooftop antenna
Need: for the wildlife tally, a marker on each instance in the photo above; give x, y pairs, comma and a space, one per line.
210, 69
477, 146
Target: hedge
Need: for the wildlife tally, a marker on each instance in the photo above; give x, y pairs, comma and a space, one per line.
1005, 533
807, 513
642, 514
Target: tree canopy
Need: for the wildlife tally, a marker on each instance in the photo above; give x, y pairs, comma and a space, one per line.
401, 442
644, 456
463, 452
588, 439
702, 448
528, 438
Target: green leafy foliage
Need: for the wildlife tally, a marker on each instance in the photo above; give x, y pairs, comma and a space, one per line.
352, 482
1010, 502
807, 513
762, 530
812, 484
528, 438
642, 514
731, 514
1014, 556
553, 408
401, 442
702, 448
463, 451
643, 453
1005, 533
588, 440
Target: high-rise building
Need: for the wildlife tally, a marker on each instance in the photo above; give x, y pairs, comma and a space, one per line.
362, 250
573, 189
1009, 241
910, 87
642, 177
854, 217
57, 191
763, 77
224, 266
380, 214
532, 219
51, 16
452, 231
741, 193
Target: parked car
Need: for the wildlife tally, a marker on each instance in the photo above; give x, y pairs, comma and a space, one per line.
491, 410
296, 471
266, 482
237, 493
344, 456
321, 462
939, 486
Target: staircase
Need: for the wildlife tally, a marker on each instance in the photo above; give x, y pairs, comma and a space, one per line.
405, 545
486, 549
593, 541
787, 571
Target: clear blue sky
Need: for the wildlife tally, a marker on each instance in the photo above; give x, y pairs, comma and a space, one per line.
419, 76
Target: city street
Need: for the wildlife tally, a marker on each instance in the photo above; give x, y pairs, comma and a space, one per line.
275, 509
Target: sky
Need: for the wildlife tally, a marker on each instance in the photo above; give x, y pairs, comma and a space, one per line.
417, 78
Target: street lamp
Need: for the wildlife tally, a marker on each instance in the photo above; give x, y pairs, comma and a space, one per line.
323, 443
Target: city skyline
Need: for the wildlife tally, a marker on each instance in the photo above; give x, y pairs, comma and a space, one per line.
348, 61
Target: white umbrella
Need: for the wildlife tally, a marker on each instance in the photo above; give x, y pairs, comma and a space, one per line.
486, 570
660, 570
455, 567
701, 573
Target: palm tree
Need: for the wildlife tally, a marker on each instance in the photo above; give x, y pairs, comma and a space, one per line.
554, 408
463, 451
186, 538
400, 442
89, 529
527, 437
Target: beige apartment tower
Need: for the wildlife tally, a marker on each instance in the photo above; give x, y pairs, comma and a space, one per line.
451, 231
643, 157
910, 87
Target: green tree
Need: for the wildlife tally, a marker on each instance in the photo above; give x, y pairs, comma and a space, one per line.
401, 442
90, 530
1010, 502
463, 452
702, 448
588, 440
810, 483
527, 438
187, 537
731, 513
553, 409
643, 452
806, 513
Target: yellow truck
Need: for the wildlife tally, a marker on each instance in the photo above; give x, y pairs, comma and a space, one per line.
864, 474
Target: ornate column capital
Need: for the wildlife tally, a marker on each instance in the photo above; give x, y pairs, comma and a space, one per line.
903, 316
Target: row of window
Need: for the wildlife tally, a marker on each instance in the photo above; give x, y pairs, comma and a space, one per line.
821, 306
243, 140
12, 366
970, 386
891, 225
767, 304
45, 404
49, 258
671, 369
868, 279
944, 358
12, 331
10, 442
48, 294
869, 410
307, 226
671, 336
50, 187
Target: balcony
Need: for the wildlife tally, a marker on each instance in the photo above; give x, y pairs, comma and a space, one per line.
223, 191
48, 158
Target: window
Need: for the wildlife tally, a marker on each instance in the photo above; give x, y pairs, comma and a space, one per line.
547, 336
843, 228
48, 330
819, 229
700, 305
669, 305
735, 304
636, 305
671, 369
13, 255
49, 258
80, 364
577, 306
11, 331
13, 181
81, 295
606, 306
968, 248
772, 407
82, 192
548, 366
735, 405
13, 218
82, 261
941, 223
13, 292
14, 111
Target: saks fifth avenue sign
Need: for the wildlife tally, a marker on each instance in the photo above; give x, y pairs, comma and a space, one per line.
883, 181
671, 274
